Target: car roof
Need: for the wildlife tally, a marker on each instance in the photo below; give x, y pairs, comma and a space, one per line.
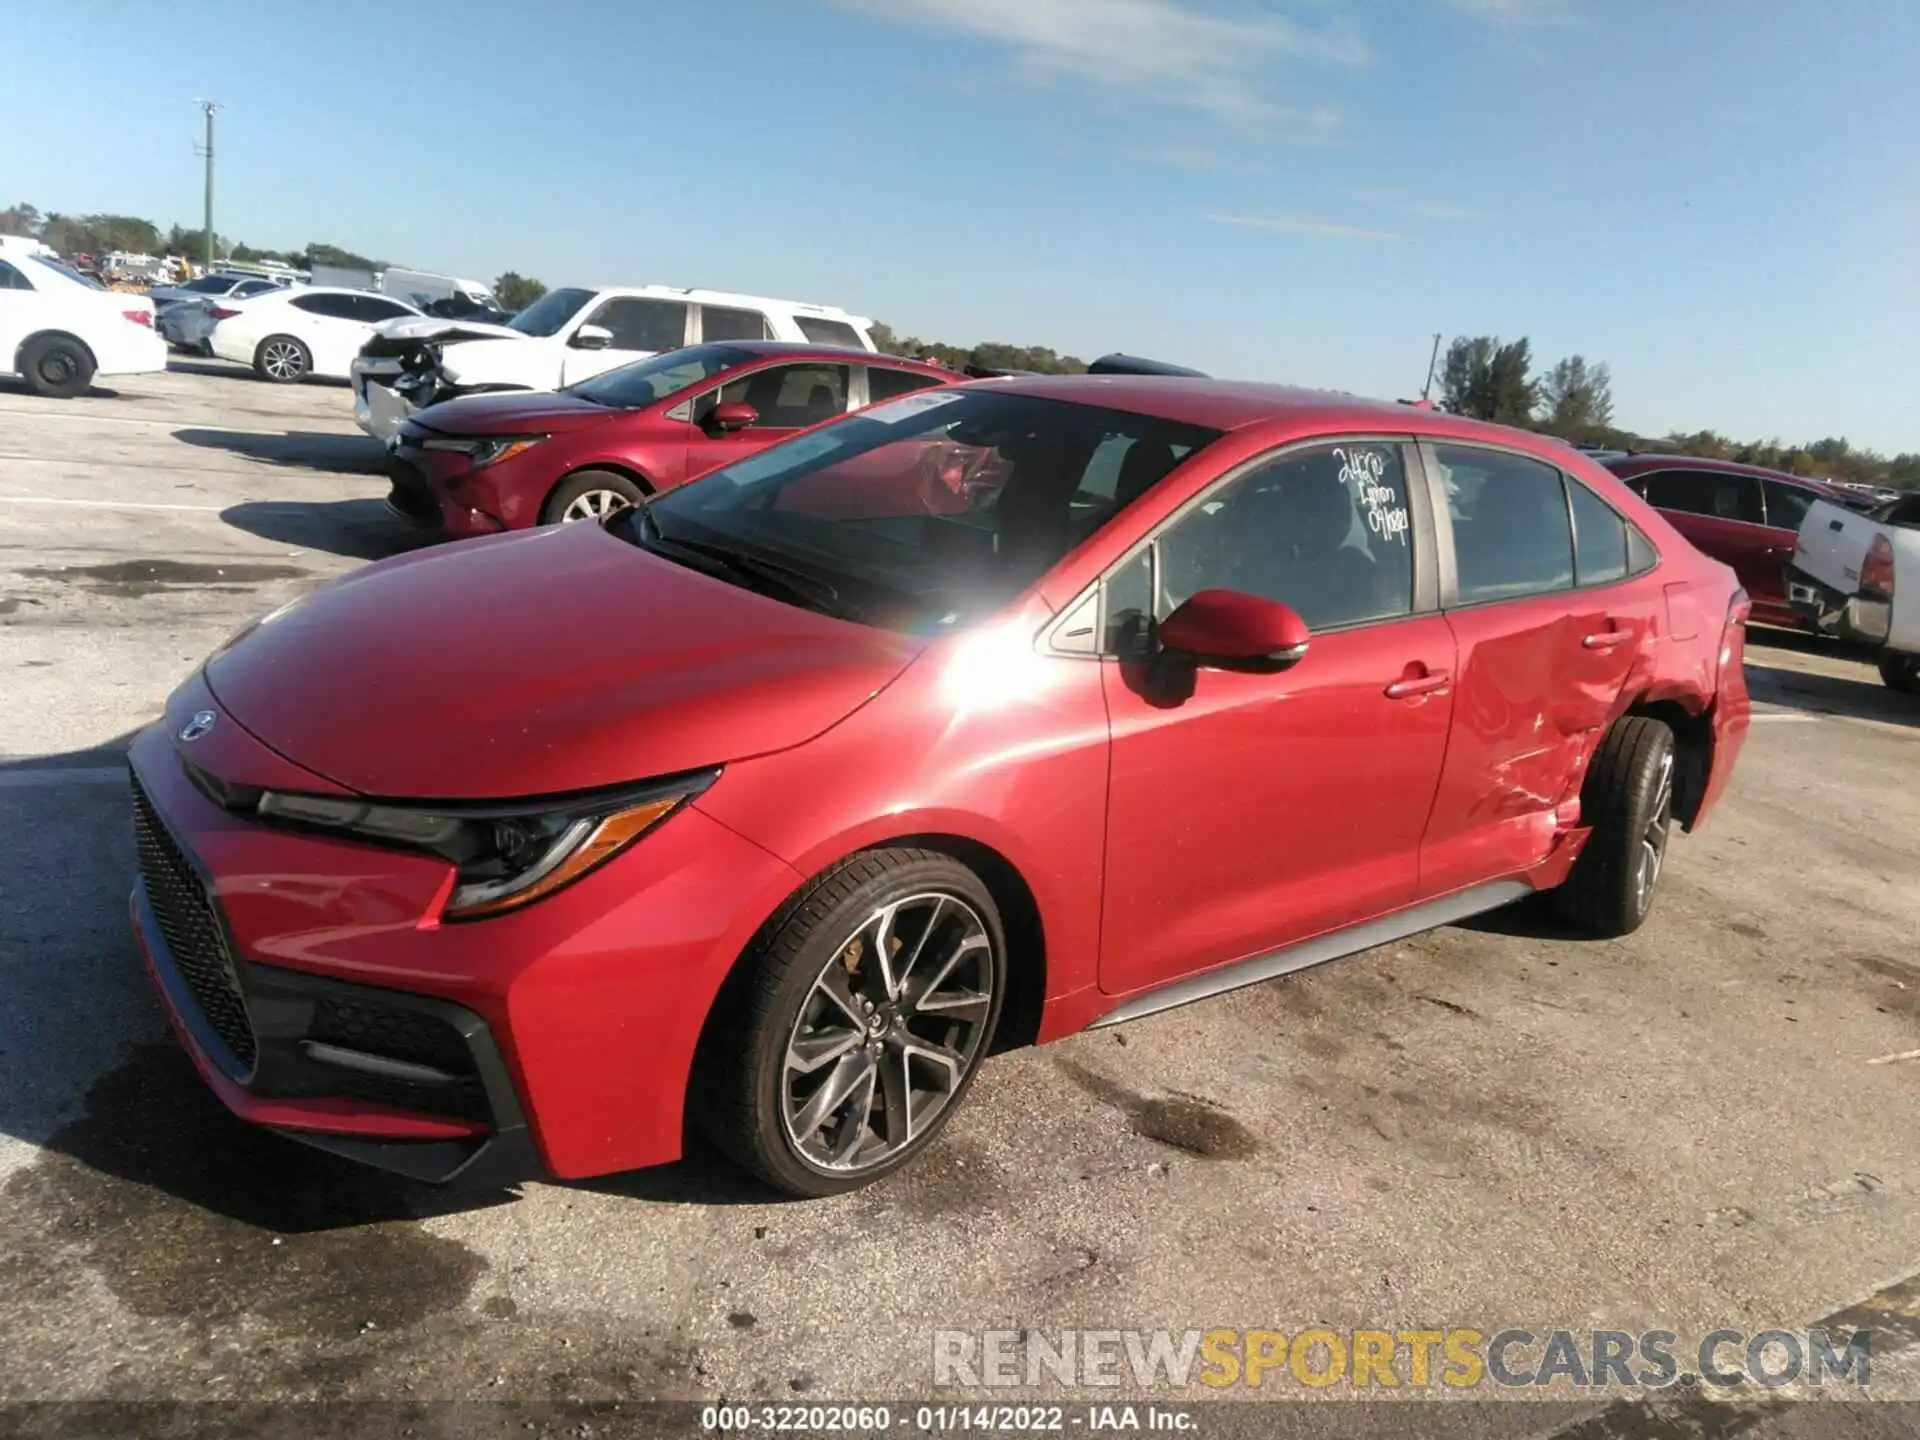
728, 297
1235, 404
803, 350
1641, 461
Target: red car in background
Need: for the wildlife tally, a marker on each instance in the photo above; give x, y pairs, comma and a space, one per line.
973, 719
486, 463
1742, 515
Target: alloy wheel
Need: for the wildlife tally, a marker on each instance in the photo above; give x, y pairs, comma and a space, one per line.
282, 360
595, 505
892, 1026
1653, 839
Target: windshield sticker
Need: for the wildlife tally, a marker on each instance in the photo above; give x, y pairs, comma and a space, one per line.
1365, 471
907, 406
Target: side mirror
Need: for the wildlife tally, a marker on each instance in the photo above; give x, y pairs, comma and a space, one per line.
731, 415
1228, 630
591, 337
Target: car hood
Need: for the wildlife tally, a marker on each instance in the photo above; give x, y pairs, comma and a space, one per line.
513, 413
432, 327
538, 663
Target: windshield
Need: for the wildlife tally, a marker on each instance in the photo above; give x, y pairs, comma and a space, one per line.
929, 512
69, 272
645, 381
552, 310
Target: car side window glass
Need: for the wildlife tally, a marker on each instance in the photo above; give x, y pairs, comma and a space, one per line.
1599, 538
12, 279
1787, 505
1326, 530
885, 384
334, 307
373, 308
821, 331
720, 322
638, 323
1126, 616
1641, 556
1511, 534
1688, 491
784, 397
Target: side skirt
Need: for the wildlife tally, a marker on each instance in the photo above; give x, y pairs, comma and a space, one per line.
1428, 915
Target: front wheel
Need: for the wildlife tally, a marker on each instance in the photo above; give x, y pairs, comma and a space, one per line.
56, 366
1901, 672
1628, 800
281, 360
856, 1023
590, 495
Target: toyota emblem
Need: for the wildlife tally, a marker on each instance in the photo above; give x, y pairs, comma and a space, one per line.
199, 725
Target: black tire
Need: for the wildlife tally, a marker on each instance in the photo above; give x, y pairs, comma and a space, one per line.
744, 1091
282, 360
579, 489
57, 366
1901, 672
1628, 800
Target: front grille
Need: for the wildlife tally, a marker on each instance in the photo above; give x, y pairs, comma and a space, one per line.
192, 929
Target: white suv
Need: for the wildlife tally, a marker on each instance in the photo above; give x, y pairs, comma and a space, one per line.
59, 329
567, 335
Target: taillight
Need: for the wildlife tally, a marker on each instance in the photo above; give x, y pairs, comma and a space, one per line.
1732, 637
140, 317
220, 312
1876, 571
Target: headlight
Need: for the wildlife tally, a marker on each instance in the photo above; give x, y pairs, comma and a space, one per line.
484, 449
506, 855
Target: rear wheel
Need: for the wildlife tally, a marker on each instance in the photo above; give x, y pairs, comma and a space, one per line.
1628, 800
281, 360
856, 1023
1901, 672
57, 366
590, 495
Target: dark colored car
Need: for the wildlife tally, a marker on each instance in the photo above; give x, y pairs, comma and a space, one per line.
486, 463
775, 804
1740, 514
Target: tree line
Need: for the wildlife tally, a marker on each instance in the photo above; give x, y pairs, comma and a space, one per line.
1491, 380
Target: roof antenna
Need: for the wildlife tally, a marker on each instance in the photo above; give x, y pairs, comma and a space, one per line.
1426, 390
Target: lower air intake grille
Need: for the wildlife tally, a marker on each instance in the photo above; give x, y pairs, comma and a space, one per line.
192, 930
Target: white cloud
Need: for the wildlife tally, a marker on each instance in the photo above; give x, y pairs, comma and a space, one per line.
1289, 225
1405, 202
1167, 49
1520, 14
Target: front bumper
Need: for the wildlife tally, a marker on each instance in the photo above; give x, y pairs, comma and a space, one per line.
556, 1039
421, 498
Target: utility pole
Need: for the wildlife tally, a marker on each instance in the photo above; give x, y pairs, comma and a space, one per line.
208, 106
1426, 390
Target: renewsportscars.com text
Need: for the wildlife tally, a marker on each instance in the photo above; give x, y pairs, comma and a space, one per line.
1454, 1357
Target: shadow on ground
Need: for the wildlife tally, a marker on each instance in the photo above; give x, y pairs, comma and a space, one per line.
296, 450
1865, 698
357, 529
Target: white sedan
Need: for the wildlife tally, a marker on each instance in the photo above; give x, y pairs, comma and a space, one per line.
288, 335
58, 329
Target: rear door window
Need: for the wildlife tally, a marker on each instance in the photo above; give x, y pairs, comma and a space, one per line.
1599, 538
334, 307
885, 384
1511, 532
1714, 493
719, 322
639, 323
12, 279
1787, 505
822, 331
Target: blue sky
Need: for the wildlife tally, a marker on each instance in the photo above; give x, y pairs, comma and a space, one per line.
1720, 198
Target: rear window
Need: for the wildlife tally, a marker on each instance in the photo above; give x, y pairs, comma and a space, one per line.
718, 322
822, 331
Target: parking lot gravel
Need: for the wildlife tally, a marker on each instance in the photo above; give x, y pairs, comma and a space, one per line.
1706, 1124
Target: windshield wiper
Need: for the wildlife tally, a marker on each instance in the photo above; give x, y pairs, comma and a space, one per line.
810, 590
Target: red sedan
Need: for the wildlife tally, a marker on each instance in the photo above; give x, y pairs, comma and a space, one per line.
486, 463
1740, 514
782, 800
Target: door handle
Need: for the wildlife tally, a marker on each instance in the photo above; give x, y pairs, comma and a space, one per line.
1607, 639
1409, 686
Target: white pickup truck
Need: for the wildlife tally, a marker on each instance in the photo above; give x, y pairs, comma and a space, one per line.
1857, 577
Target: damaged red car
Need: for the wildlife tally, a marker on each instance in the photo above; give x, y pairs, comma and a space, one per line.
773, 805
